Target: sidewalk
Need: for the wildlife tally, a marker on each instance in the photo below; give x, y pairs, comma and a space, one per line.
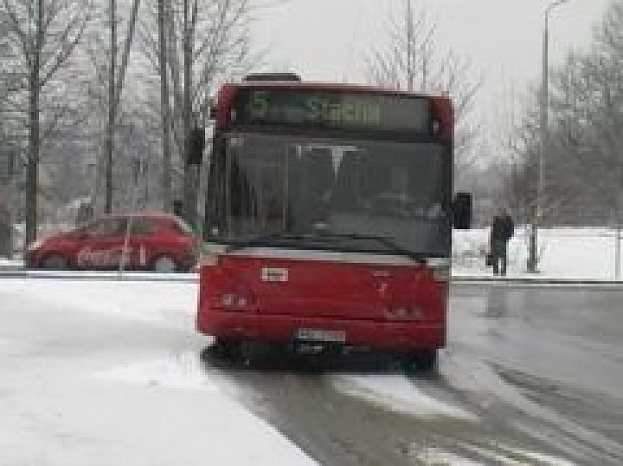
460, 275
10, 264
567, 256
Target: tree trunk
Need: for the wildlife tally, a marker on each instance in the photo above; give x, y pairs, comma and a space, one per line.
110, 129
165, 110
32, 165
190, 188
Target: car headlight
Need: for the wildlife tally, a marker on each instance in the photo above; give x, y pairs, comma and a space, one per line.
36, 244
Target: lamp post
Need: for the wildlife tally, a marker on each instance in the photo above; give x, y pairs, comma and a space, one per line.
544, 130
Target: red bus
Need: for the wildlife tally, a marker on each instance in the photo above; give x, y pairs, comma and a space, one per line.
329, 217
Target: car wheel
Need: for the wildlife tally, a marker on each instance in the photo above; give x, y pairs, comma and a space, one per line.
164, 264
55, 262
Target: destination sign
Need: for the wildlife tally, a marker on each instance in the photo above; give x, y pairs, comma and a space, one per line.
332, 109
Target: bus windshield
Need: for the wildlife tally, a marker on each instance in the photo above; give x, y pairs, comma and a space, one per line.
340, 195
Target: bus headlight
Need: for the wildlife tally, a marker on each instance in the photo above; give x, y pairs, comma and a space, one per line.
208, 260
36, 244
440, 268
407, 312
235, 302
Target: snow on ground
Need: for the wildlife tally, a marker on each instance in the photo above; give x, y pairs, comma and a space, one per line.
8, 263
565, 253
398, 393
435, 456
108, 373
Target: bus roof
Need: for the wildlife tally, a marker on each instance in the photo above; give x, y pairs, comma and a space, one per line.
331, 86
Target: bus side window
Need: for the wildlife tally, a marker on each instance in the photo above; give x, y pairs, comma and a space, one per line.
215, 207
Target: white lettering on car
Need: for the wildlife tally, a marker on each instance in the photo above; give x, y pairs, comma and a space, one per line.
88, 257
142, 256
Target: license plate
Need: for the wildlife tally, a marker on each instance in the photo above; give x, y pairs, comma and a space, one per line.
314, 334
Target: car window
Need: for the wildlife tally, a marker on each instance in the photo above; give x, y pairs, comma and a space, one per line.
183, 227
107, 227
142, 226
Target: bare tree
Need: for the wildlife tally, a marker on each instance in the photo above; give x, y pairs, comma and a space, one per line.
583, 167
46, 32
165, 108
412, 60
115, 88
206, 41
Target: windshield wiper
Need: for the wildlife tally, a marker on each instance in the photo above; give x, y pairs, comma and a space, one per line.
262, 239
269, 239
387, 242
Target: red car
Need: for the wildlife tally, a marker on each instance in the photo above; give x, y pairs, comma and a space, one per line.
151, 241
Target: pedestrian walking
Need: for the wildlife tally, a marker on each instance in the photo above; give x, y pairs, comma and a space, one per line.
502, 230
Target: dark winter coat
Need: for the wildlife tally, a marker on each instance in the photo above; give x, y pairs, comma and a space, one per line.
502, 228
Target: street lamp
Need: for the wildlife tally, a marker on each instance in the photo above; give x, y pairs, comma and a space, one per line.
544, 107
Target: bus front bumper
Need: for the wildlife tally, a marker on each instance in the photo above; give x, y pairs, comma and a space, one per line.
384, 335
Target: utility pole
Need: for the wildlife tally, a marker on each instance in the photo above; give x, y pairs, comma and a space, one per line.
537, 216
425, 51
410, 48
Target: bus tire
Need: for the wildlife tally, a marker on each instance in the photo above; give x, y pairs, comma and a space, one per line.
227, 348
420, 361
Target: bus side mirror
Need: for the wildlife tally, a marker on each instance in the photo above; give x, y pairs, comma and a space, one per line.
462, 211
196, 146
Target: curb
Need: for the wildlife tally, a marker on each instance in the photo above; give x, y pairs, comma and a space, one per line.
17, 272
9, 271
475, 280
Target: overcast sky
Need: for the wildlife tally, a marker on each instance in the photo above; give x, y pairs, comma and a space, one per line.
328, 39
